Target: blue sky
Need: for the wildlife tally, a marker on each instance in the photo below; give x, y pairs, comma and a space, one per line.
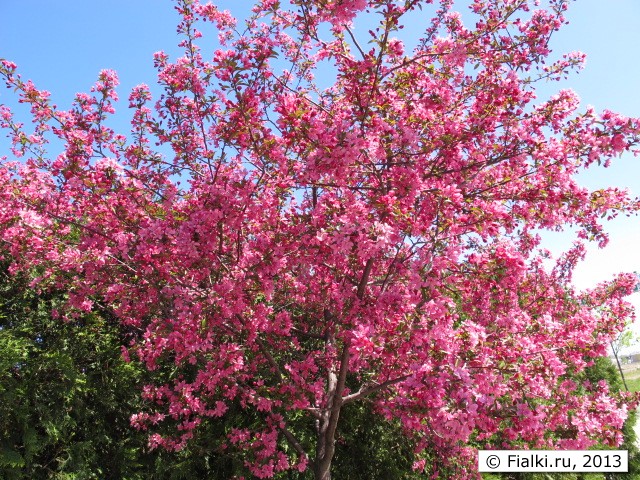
62, 45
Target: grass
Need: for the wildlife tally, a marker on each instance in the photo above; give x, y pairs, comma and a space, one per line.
632, 378
633, 384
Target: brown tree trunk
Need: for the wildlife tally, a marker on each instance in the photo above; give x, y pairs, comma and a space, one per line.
328, 422
336, 381
325, 449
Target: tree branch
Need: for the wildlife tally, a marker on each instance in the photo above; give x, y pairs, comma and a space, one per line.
308, 334
263, 348
294, 442
355, 42
365, 278
270, 359
329, 422
363, 392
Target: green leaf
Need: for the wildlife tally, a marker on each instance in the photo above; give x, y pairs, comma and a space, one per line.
11, 458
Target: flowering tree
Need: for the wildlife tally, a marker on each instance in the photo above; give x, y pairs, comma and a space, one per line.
303, 248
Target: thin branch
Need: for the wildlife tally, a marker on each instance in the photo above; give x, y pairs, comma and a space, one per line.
355, 42
44, 211
313, 411
304, 97
294, 442
270, 359
129, 267
317, 336
263, 348
368, 391
342, 375
365, 278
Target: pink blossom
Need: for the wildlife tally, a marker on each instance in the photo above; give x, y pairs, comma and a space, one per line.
287, 247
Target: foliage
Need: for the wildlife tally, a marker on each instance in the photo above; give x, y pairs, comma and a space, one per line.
65, 392
66, 396
603, 369
304, 248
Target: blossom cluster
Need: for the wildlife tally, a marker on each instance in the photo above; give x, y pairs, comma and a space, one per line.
375, 239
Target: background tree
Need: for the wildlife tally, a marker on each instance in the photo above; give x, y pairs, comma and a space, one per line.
602, 369
625, 338
66, 395
303, 249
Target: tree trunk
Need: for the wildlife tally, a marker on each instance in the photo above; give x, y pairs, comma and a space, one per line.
325, 449
615, 354
328, 422
336, 381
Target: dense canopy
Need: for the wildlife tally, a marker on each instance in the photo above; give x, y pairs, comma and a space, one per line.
290, 248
